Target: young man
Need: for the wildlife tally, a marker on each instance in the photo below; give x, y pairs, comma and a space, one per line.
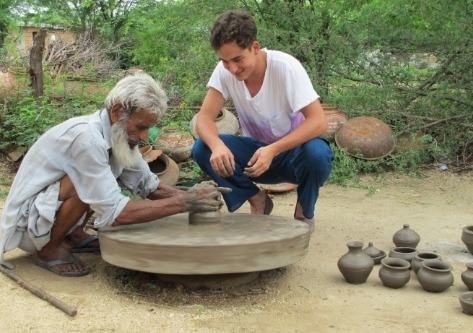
78, 167
280, 115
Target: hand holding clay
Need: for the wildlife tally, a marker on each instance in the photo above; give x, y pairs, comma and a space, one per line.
205, 196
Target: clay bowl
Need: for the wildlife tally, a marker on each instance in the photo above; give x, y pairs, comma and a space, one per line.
377, 260
367, 138
278, 188
466, 301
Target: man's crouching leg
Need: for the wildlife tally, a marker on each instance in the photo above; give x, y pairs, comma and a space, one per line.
55, 255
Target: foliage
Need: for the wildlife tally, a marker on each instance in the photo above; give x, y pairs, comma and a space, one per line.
175, 47
26, 119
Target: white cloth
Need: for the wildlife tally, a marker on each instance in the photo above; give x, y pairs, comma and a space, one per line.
80, 148
274, 111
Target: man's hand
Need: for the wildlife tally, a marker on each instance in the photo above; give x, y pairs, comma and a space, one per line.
204, 197
260, 162
222, 161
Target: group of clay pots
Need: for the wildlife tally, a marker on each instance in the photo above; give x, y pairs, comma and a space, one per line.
171, 145
433, 273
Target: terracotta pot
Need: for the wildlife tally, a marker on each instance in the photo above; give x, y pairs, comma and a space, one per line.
467, 237
335, 119
226, 122
416, 262
366, 138
376, 254
435, 275
467, 276
149, 154
394, 272
406, 237
175, 143
355, 265
406, 253
166, 169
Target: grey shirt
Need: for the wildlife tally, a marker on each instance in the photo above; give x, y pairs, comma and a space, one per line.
80, 148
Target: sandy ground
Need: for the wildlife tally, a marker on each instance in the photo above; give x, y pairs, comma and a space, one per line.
308, 296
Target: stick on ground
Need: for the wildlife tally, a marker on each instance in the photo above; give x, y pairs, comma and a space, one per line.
40, 293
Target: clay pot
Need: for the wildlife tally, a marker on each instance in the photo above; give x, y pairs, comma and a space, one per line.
394, 272
335, 119
416, 262
166, 169
365, 137
406, 237
467, 237
466, 302
406, 253
355, 265
435, 275
226, 122
175, 143
205, 217
375, 254
467, 276
149, 154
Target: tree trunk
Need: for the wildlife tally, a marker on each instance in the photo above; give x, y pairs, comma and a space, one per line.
36, 63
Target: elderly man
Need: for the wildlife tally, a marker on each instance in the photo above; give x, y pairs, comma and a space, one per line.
79, 167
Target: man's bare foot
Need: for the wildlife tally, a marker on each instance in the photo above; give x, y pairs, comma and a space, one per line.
261, 203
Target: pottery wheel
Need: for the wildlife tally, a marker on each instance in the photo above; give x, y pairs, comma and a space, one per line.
238, 243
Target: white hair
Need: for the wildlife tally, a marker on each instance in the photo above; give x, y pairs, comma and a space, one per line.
136, 92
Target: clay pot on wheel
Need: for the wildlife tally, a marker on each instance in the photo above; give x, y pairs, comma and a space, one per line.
406, 237
467, 276
416, 262
355, 265
467, 237
394, 272
166, 169
435, 275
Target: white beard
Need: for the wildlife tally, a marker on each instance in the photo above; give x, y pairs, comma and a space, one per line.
121, 151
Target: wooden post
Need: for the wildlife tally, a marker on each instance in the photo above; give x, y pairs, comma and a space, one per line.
36, 63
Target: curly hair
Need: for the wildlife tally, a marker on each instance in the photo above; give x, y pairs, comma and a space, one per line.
233, 27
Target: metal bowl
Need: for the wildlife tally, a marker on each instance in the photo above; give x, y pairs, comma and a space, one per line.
367, 138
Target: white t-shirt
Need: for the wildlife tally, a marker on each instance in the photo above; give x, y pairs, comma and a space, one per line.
274, 111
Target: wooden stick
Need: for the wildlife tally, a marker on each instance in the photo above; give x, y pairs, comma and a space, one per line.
40, 293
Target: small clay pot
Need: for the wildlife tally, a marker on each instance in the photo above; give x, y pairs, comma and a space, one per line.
226, 123
355, 265
416, 262
466, 302
467, 276
406, 237
435, 275
175, 143
166, 169
376, 254
467, 237
205, 217
406, 253
394, 272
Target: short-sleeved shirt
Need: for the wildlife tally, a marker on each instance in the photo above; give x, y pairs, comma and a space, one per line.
274, 111
80, 148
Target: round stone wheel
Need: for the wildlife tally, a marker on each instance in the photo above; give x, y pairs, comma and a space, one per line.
239, 243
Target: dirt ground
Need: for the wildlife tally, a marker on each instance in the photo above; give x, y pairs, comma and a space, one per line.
308, 296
